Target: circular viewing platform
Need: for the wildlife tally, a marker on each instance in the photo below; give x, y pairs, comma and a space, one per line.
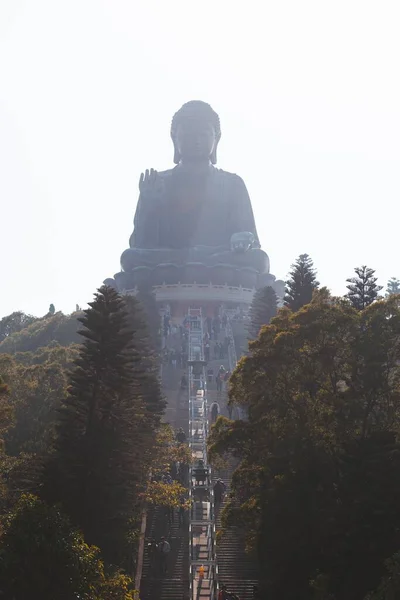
200, 292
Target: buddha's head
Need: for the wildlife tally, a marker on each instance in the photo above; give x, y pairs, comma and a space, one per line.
195, 132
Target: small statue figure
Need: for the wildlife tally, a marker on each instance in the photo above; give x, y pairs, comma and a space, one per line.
194, 213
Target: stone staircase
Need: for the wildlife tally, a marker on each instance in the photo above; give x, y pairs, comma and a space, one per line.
237, 570
175, 584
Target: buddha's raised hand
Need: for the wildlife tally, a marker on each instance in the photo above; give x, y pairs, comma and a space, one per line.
151, 185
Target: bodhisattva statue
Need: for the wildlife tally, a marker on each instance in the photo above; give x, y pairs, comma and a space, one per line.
194, 213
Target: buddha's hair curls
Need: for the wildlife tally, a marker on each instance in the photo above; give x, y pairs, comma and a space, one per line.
200, 110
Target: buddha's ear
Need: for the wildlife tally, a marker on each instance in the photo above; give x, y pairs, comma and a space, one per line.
213, 156
177, 156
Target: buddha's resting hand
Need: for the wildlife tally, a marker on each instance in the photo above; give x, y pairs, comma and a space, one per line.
242, 241
151, 187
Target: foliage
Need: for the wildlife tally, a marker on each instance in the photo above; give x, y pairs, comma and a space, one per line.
318, 482
106, 431
363, 289
165, 452
36, 392
263, 308
164, 494
14, 323
301, 284
6, 412
389, 588
147, 369
41, 556
393, 286
41, 332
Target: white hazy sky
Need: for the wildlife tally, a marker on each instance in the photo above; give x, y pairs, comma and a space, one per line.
309, 99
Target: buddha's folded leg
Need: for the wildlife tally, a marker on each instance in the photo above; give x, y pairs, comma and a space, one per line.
255, 258
149, 257
143, 257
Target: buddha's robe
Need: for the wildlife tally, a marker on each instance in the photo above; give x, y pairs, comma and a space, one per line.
194, 222
203, 210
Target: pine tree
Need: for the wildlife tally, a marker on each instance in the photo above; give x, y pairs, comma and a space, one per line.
393, 287
363, 289
263, 308
98, 465
302, 283
147, 370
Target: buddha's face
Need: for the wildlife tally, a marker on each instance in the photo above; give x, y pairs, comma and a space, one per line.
195, 139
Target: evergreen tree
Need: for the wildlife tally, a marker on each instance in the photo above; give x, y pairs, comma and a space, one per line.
52, 309
263, 308
147, 370
98, 466
302, 283
393, 287
363, 289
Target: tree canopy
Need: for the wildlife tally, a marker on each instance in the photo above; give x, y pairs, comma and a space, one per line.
318, 481
27, 334
14, 323
42, 556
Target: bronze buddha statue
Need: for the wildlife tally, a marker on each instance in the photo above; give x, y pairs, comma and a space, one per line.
193, 214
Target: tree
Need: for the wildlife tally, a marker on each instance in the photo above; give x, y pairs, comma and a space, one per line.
166, 452
393, 286
52, 309
302, 283
147, 372
42, 332
389, 588
6, 415
263, 307
318, 481
99, 464
14, 323
363, 289
6, 412
37, 393
42, 556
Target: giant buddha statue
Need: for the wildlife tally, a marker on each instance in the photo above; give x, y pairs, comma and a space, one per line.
194, 223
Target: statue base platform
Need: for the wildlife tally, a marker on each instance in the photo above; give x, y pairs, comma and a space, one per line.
191, 285
220, 275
